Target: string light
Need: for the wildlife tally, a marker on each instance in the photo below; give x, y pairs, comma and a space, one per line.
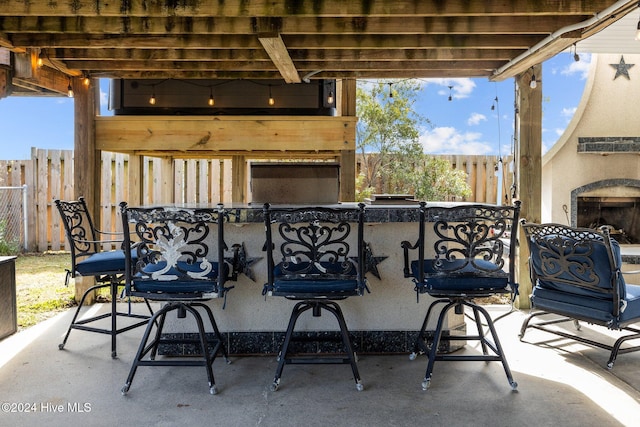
450, 89
330, 98
69, 89
390, 91
86, 80
40, 61
212, 102
152, 100
271, 100
533, 84
576, 57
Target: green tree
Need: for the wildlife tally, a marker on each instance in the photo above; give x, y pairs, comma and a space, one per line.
388, 139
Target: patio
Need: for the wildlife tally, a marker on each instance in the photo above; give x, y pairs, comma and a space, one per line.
560, 383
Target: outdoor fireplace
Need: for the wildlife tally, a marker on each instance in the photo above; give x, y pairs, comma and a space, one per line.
612, 203
619, 213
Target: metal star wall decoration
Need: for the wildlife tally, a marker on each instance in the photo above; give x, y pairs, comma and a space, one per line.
371, 262
622, 69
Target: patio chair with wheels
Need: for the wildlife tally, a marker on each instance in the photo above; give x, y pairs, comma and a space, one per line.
315, 256
176, 257
472, 256
577, 276
89, 260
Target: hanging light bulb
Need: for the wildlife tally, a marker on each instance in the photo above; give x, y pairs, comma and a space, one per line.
271, 100
40, 60
152, 100
576, 57
638, 31
330, 98
390, 91
450, 89
69, 89
86, 80
533, 84
212, 102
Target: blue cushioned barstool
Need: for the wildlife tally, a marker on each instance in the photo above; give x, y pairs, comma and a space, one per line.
310, 258
88, 260
176, 256
576, 276
472, 256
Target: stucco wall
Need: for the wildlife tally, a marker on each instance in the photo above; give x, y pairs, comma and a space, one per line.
608, 108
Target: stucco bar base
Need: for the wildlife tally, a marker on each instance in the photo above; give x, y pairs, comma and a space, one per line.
383, 321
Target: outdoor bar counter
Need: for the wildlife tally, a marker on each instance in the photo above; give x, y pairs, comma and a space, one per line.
383, 321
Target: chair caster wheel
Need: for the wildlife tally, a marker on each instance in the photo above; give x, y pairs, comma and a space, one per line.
114, 355
125, 389
213, 390
227, 361
413, 356
514, 386
274, 386
60, 346
610, 365
425, 384
359, 386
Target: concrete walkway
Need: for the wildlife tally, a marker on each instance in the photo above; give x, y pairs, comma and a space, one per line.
560, 384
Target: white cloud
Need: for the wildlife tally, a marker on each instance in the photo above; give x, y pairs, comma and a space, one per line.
559, 131
448, 140
568, 112
476, 118
580, 68
460, 88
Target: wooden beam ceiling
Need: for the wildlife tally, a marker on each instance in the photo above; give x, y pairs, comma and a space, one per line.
267, 39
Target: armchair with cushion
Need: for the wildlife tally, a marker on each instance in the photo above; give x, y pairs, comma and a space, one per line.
576, 275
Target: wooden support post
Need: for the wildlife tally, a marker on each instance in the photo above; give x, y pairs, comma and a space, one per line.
529, 170
239, 179
347, 107
166, 180
86, 162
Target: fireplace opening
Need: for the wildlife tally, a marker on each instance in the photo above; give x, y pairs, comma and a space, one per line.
619, 213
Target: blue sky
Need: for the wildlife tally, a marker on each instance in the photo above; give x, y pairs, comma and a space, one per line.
464, 125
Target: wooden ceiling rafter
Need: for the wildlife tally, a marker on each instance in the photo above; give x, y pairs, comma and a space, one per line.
281, 39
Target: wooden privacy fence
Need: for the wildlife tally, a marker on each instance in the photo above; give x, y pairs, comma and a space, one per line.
49, 175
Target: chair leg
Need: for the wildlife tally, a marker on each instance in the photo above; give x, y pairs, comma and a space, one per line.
334, 309
158, 321
498, 347
495, 346
77, 313
113, 331
298, 309
216, 331
420, 345
435, 344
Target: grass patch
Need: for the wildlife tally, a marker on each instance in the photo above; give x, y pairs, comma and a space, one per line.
40, 289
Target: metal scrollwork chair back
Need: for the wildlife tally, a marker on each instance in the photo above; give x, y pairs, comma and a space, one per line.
576, 275
89, 260
177, 258
315, 255
463, 252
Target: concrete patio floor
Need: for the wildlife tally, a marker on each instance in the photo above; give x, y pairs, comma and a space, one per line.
559, 383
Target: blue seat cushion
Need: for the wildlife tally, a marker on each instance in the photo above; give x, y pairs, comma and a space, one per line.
324, 279
631, 313
107, 262
176, 279
456, 276
585, 307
